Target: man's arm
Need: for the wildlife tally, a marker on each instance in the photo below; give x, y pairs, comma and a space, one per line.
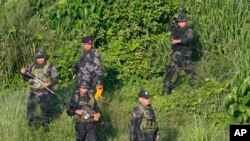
72, 106
53, 76
99, 69
136, 119
26, 77
157, 134
133, 127
97, 112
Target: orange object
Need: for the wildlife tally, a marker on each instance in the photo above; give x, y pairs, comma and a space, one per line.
98, 94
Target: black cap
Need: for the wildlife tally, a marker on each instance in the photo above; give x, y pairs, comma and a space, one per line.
182, 18
143, 94
87, 39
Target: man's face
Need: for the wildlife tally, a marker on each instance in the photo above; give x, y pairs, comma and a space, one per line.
40, 61
144, 102
83, 91
182, 24
87, 46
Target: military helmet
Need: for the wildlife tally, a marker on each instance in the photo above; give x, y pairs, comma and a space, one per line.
87, 39
41, 53
84, 84
182, 18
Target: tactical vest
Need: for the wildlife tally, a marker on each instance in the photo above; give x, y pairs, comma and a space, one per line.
148, 123
41, 73
87, 106
178, 32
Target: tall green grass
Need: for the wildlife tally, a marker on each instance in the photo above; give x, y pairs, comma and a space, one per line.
222, 34
180, 116
198, 129
21, 32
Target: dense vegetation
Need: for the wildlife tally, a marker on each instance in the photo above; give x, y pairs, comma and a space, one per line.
133, 40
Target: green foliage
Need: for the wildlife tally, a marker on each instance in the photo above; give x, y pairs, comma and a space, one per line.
202, 131
135, 42
73, 19
225, 46
20, 33
238, 102
65, 58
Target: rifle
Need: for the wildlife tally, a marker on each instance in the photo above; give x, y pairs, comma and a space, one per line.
87, 111
36, 80
182, 10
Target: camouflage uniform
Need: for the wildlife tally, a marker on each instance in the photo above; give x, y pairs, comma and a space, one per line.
47, 72
85, 127
143, 125
181, 55
89, 68
136, 133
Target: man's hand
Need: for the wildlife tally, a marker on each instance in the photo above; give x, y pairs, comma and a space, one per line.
176, 41
96, 116
46, 85
157, 137
22, 70
79, 112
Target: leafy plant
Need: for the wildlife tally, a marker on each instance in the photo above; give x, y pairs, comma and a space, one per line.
238, 101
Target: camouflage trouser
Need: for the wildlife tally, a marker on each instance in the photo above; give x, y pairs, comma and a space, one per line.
144, 136
182, 60
43, 100
85, 131
149, 136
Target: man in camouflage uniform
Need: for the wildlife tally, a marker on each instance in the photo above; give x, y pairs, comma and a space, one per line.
39, 91
83, 105
181, 39
89, 67
143, 125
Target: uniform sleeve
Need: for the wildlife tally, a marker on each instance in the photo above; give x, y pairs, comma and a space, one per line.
157, 132
133, 127
136, 119
173, 24
96, 108
99, 74
53, 75
25, 76
187, 38
72, 106
99, 69
77, 66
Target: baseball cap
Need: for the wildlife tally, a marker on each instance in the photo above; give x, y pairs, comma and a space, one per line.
87, 39
143, 94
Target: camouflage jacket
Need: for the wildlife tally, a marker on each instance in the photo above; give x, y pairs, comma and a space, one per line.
185, 35
73, 104
136, 133
89, 68
51, 72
